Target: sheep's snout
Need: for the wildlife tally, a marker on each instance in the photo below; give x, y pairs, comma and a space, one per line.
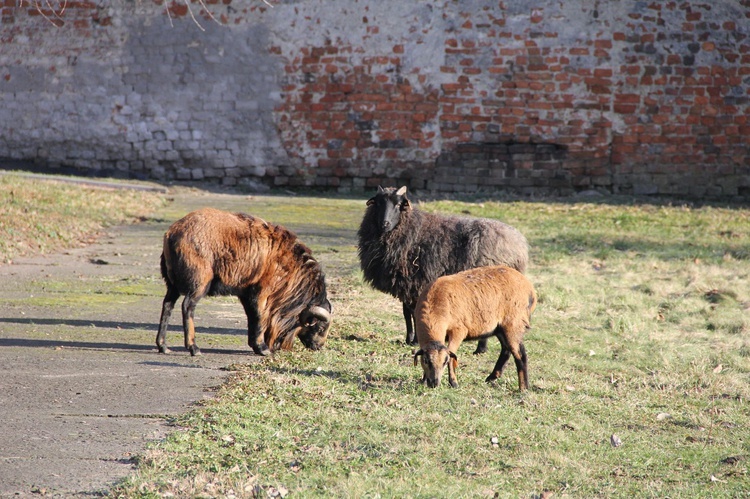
432, 383
434, 362
389, 215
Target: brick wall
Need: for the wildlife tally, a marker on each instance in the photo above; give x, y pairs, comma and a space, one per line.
549, 97
120, 88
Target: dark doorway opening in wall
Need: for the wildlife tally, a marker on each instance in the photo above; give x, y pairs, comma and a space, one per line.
521, 167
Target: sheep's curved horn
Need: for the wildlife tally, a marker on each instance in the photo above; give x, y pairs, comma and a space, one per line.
319, 313
419, 352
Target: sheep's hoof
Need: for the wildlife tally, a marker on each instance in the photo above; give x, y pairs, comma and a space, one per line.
480, 349
492, 377
194, 350
261, 349
453, 383
163, 349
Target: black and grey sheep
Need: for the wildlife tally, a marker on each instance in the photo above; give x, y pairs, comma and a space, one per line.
471, 305
403, 249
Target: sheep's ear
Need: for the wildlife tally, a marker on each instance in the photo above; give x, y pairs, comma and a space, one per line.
371, 201
454, 360
404, 201
452, 365
419, 352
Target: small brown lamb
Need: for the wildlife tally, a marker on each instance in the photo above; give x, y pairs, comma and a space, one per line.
474, 304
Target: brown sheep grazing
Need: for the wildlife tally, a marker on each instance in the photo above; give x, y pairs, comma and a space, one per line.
279, 283
474, 304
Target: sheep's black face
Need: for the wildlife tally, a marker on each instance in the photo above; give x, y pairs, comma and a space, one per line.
388, 204
315, 323
314, 336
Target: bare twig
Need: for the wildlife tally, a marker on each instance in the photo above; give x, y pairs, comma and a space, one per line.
191, 13
62, 5
39, 9
192, 16
208, 11
169, 14
52, 9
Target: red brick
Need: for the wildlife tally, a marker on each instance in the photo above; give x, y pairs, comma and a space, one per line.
627, 98
624, 108
451, 87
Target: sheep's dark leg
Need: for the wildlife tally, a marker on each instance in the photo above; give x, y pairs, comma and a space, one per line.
411, 337
166, 311
188, 324
505, 352
481, 346
497, 371
519, 356
254, 334
522, 367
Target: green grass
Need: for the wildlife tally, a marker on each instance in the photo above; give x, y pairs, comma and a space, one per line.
40, 216
642, 331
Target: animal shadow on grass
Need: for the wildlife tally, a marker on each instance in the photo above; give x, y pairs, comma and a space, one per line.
101, 345
363, 382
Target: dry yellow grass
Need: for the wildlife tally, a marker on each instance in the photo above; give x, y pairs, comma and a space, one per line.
39, 215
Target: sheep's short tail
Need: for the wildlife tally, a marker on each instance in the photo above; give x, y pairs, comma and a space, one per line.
167, 263
532, 304
164, 270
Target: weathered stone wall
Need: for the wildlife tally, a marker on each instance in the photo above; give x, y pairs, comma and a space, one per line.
633, 96
117, 87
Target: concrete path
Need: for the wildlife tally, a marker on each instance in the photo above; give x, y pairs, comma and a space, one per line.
82, 388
